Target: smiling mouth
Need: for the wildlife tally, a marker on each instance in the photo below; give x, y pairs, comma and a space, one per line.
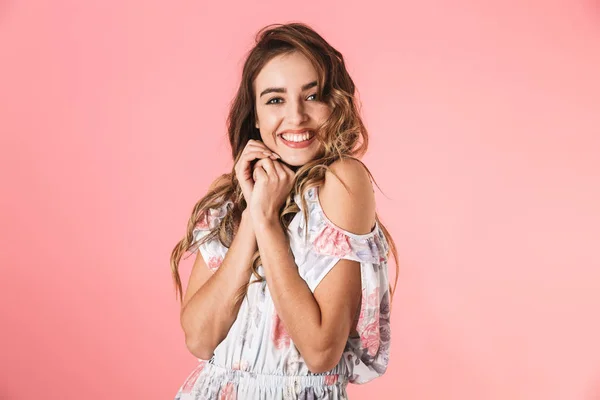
298, 140
297, 137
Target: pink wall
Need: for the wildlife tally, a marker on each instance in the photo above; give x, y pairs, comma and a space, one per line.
485, 127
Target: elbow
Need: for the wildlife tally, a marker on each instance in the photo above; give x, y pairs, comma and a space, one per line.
200, 346
198, 341
199, 349
321, 365
323, 360
319, 368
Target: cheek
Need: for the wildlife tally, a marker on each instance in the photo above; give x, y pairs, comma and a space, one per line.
268, 140
323, 113
266, 135
269, 122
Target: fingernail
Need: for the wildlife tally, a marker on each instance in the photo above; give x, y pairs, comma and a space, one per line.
277, 155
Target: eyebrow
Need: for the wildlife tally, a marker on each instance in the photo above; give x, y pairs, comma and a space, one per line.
283, 90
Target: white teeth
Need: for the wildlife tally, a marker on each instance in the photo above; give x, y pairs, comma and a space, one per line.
296, 137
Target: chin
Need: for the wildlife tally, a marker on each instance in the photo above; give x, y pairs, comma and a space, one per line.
296, 161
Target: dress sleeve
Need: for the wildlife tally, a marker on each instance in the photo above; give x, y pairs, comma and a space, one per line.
367, 353
212, 251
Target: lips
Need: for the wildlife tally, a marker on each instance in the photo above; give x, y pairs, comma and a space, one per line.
298, 145
297, 131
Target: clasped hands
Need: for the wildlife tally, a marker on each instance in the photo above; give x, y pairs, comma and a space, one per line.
266, 185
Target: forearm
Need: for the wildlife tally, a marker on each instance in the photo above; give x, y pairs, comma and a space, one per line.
292, 298
210, 313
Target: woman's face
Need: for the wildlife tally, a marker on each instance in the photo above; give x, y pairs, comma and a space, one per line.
286, 101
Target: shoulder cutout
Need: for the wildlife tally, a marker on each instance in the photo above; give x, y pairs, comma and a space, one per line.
351, 209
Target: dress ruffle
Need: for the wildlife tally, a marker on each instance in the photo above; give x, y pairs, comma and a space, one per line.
329, 239
209, 220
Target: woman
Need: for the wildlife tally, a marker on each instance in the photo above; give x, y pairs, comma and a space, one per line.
289, 294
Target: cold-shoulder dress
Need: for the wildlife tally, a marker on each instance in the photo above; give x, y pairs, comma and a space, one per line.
258, 360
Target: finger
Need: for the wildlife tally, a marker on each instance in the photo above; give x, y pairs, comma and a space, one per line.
259, 174
257, 145
267, 165
245, 161
259, 153
280, 170
251, 155
252, 143
243, 166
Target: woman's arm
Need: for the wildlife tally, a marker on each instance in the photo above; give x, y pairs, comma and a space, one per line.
206, 314
319, 323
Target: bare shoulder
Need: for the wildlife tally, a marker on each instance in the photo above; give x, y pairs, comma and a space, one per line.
350, 207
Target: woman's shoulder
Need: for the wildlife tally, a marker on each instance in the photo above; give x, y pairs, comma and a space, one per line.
347, 196
322, 235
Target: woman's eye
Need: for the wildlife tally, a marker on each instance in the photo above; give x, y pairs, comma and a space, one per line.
274, 98
279, 98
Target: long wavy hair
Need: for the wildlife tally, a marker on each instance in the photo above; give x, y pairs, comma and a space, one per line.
343, 135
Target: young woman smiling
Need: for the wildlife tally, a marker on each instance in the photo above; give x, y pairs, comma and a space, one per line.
289, 294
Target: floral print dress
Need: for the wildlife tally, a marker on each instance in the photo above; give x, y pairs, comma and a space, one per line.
258, 359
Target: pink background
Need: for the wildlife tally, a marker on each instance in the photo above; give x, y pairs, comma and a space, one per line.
485, 128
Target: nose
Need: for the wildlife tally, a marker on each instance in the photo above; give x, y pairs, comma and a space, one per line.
296, 113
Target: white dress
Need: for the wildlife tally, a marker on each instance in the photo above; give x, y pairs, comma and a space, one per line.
258, 360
